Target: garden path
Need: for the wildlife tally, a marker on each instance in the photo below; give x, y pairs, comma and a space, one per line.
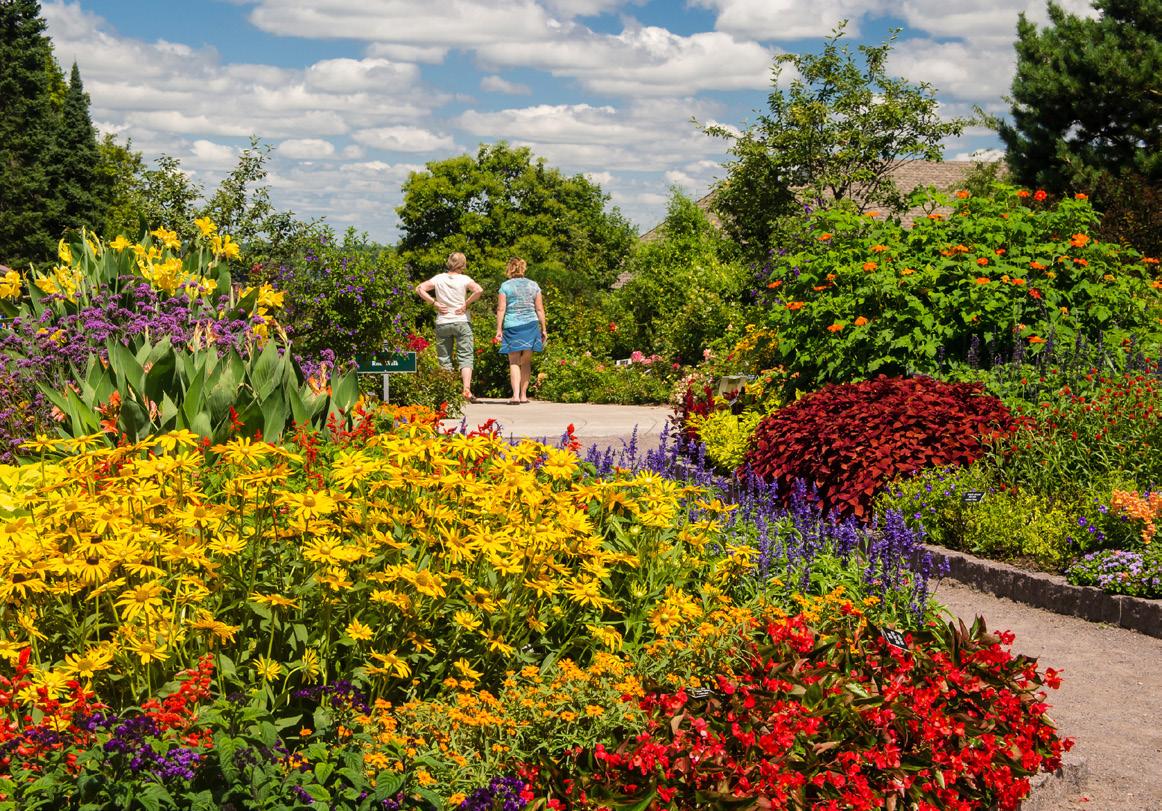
600, 425
1110, 700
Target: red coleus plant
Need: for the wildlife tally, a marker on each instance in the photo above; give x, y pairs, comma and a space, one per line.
849, 440
834, 718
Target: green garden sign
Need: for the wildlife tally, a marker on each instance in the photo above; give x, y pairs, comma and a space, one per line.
387, 363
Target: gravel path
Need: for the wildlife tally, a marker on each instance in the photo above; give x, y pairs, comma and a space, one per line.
1110, 701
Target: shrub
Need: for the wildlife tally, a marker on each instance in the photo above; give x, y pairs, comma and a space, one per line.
1072, 442
566, 376
847, 441
347, 296
868, 296
726, 435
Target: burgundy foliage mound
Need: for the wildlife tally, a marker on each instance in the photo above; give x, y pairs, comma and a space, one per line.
849, 440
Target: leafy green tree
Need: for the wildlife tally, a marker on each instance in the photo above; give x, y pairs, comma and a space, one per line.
75, 168
683, 288
29, 206
119, 170
837, 133
500, 203
1087, 97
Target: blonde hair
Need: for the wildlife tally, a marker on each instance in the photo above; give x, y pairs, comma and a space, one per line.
515, 267
456, 261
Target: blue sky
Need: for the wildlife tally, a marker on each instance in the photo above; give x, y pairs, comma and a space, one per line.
355, 94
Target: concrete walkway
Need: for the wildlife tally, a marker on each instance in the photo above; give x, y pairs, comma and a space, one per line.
599, 425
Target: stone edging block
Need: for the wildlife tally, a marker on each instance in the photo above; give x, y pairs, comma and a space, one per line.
1052, 791
1052, 592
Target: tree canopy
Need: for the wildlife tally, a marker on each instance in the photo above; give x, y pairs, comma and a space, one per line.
1087, 97
836, 133
501, 203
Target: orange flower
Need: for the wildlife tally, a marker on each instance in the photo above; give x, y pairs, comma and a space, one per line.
870, 266
879, 248
775, 284
871, 214
1079, 240
1039, 195
836, 327
1023, 194
824, 237
1082, 262
982, 280
962, 194
1018, 281
1034, 293
1109, 277
1158, 284
1149, 260
1065, 311
859, 322
907, 271
1080, 196
999, 251
1037, 266
1034, 339
961, 249
982, 261
820, 288
935, 216
830, 277
794, 305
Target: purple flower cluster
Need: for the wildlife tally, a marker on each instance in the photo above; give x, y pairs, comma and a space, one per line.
341, 694
791, 535
1119, 571
501, 794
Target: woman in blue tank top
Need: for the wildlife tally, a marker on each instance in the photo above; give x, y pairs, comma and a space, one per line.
520, 326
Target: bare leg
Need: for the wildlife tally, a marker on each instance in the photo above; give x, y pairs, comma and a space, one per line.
466, 376
526, 371
514, 374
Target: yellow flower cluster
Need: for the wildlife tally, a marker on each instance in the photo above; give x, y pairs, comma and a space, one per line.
10, 284
134, 561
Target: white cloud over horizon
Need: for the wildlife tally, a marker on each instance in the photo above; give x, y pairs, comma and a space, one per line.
392, 84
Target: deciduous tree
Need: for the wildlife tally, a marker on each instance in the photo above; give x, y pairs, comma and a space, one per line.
501, 202
837, 132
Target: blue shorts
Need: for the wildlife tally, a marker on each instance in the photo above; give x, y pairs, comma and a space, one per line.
522, 337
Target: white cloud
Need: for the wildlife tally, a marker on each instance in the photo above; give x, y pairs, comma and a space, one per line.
207, 154
424, 23
353, 75
788, 19
966, 72
404, 139
408, 53
643, 61
497, 84
585, 8
306, 149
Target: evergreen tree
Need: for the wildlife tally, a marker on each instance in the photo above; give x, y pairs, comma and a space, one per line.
75, 169
29, 207
1087, 97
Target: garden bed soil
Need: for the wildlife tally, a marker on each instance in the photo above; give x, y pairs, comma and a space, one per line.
1110, 700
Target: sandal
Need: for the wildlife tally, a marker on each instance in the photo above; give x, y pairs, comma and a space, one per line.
515, 402
470, 397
